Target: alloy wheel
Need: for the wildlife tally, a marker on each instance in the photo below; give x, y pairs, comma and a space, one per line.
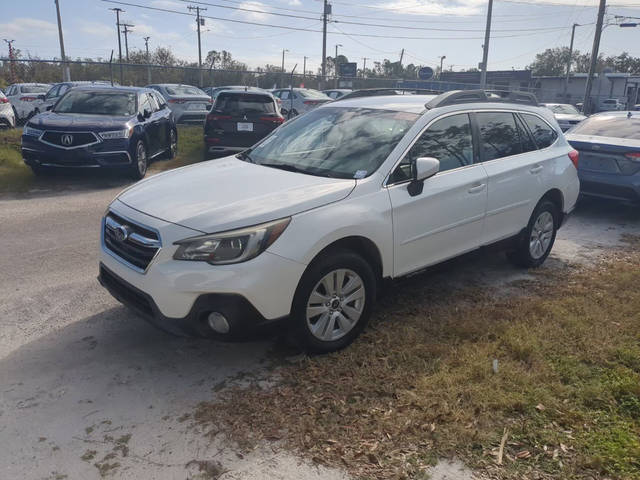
141, 155
541, 235
335, 305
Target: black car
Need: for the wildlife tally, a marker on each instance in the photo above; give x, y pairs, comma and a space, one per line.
239, 119
106, 127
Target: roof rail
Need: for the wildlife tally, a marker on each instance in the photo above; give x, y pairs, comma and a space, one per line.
455, 97
375, 92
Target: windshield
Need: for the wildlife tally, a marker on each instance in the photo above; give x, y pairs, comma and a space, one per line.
242, 103
35, 88
334, 142
183, 90
313, 94
98, 103
619, 126
564, 109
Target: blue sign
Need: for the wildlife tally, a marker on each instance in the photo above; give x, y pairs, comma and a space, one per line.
425, 73
348, 69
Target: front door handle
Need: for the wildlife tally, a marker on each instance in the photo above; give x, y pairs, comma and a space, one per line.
536, 169
477, 188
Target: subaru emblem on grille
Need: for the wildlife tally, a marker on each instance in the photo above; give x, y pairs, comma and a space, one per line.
66, 139
121, 233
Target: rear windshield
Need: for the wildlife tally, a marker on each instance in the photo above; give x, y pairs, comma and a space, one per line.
183, 90
618, 126
313, 94
35, 88
241, 103
98, 103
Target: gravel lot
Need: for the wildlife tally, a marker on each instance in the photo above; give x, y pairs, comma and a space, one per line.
89, 390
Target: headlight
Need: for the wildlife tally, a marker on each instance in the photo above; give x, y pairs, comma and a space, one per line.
32, 132
231, 247
115, 134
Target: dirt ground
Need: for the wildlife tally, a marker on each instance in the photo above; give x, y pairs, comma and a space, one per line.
89, 391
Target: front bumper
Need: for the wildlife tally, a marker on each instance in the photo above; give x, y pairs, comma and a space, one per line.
178, 295
102, 154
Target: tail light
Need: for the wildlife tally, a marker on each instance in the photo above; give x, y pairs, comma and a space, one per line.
277, 120
4, 100
177, 100
310, 102
574, 155
634, 156
28, 99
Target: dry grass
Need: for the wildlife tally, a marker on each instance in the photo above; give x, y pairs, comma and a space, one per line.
14, 174
419, 384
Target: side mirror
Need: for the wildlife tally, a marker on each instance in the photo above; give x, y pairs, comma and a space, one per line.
425, 167
146, 113
41, 97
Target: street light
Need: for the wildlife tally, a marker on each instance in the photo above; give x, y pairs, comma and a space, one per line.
282, 75
335, 65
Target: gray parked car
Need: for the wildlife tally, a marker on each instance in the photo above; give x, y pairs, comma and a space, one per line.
189, 104
59, 89
7, 118
299, 100
567, 115
609, 146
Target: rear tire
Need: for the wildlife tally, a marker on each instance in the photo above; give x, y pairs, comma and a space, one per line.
172, 151
535, 243
138, 168
333, 302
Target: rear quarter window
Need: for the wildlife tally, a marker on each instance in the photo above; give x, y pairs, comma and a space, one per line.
542, 132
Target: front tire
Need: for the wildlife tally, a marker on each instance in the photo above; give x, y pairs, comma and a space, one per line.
536, 242
333, 302
172, 151
138, 169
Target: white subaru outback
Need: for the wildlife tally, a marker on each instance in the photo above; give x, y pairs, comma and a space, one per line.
307, 224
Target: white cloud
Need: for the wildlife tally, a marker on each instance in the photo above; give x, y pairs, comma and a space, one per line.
167, 4
256, 15
28, 27
98, 29
295, 3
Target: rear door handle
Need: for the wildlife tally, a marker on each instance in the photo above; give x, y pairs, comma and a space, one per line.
477, 188
536, 169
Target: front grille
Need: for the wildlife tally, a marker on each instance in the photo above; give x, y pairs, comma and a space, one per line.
133, 243
124, 292
69, 139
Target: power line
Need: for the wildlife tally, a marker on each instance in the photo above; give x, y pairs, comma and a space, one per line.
286, 27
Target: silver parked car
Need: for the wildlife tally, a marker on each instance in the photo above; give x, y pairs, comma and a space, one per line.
7, 118
25, 99
189, 104
567, 115
299, 100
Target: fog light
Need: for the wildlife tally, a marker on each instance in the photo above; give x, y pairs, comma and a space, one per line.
218, 322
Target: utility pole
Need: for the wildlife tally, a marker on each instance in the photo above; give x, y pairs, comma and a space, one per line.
335, 67
485, 47
282, 74
199, 22
442, 57
570, 59
66, 74
126, 38
325, 13
118, 10
364, 67
401, 56
304, 69
146, 46
586, 104
11, 67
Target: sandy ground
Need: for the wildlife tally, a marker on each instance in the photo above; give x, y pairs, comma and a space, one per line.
88, 390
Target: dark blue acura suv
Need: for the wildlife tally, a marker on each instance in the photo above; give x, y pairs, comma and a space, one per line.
108, 127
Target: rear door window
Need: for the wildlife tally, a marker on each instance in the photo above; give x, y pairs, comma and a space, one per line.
528, 145
244, 103
542, 132
498, 135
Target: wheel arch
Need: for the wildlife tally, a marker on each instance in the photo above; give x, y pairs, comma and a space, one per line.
556, 197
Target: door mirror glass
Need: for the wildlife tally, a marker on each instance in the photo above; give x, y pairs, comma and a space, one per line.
426, 167
146, 113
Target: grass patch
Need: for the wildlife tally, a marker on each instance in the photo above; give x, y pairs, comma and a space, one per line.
190, 149
14, 174
419, 384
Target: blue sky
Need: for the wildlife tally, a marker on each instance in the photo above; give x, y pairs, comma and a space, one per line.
525, 27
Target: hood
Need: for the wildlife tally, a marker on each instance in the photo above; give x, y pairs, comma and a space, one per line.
569, 117
224, 194
74, 121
